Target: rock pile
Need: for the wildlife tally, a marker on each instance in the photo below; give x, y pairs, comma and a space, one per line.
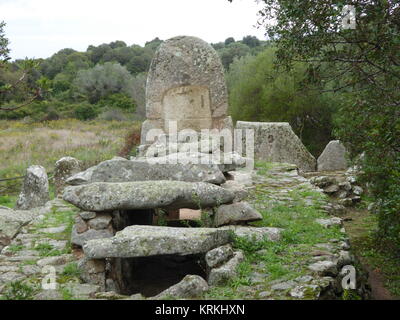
342, 186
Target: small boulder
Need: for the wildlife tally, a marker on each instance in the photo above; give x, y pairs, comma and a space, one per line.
219, 255
192, 286
100, 222
236, 213
327, 223
324, 268
227, 271
80, 239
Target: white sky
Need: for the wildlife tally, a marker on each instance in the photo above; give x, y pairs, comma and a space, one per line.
40, 28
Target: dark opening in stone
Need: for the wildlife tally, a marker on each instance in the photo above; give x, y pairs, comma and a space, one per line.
125, 218
152, 275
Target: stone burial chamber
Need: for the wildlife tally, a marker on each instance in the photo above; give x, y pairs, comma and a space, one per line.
161, 225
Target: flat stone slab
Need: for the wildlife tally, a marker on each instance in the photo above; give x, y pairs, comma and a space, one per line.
146, 195
255, 233
145, 241
122, 170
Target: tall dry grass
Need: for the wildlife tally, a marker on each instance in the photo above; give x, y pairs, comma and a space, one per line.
22, 145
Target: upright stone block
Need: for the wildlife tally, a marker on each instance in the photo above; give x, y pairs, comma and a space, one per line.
333, 158
35, 189
186, 84
276, 142
65, 168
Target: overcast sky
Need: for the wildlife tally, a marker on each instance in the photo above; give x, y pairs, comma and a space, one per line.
39, 28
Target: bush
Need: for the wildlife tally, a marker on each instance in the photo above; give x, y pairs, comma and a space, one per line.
85, 111
110, 114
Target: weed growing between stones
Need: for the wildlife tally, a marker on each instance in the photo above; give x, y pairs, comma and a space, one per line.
18, 290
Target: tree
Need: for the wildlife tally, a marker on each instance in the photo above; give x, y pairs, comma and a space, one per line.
103, 80
232, 51
25, 67
258, 92
364, 63
4, 50
251, 41
229, 40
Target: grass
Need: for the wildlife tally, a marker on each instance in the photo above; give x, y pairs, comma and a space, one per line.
22, 145
379, 254
18, 290
287, 258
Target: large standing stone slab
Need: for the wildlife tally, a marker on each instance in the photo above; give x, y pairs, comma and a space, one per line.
276, 142
122, 170
145, 241
64, 168
333, 157
35, 189
105, 196
186, 84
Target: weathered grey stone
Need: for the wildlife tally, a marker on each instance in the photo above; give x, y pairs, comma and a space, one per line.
49, 295
212, 162
324, 268
122, 170
323, 181
227, 271
55, 261
333, 157
11, 222
345, 258
109, 295
327, 223
35, 189
144, 241
102, 221
192, 286
236, 213
186, 84
255, 233
358, 191
80, 239
87, 215
54, 230
64, 168
82, 291
80, 225
146, 195
331, 189
238, 189
276, 142
283, 286
219, 255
